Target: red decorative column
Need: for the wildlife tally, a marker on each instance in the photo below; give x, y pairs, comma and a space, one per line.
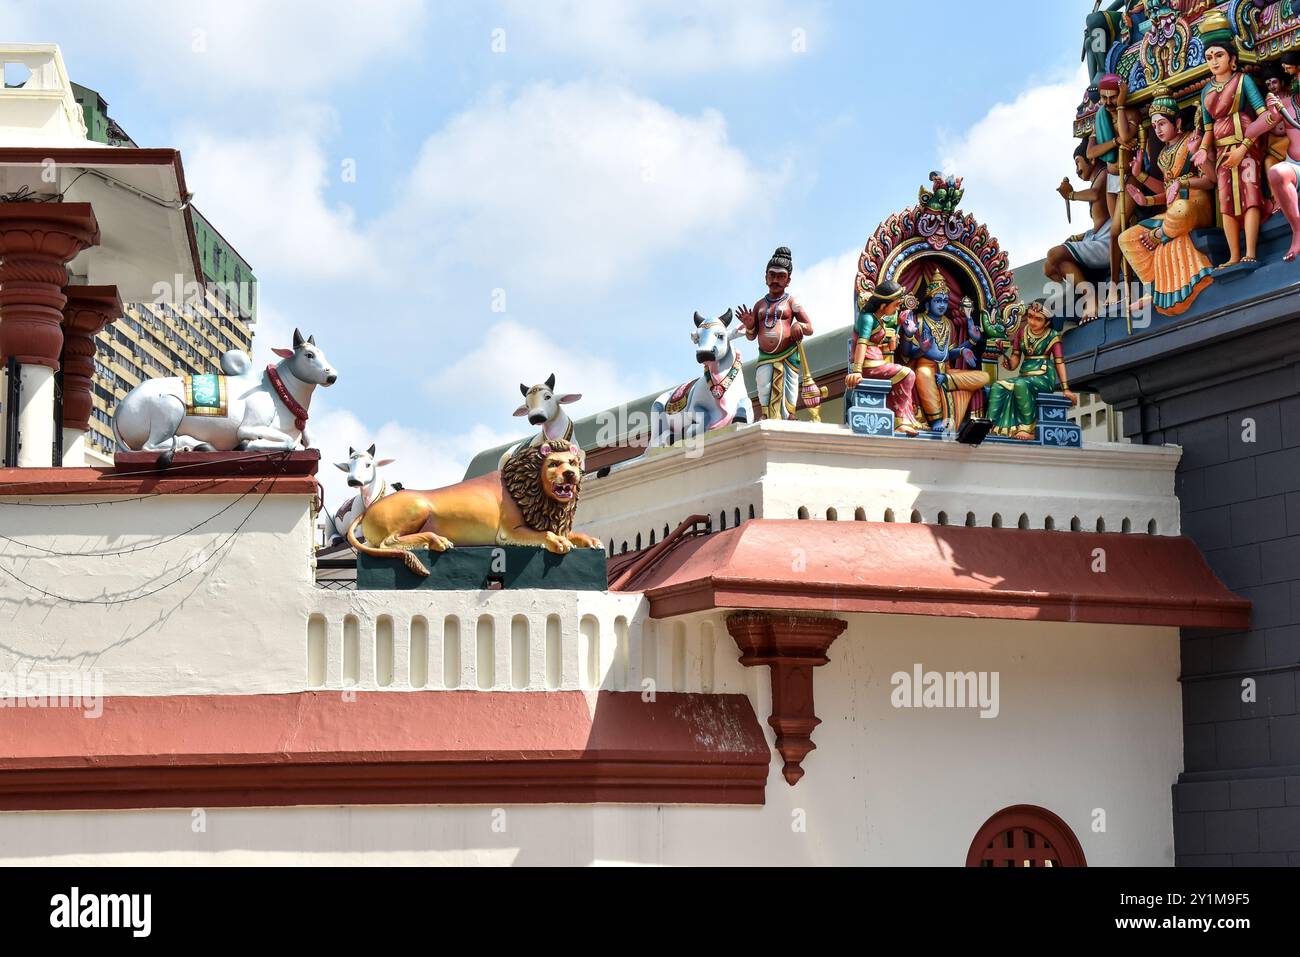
792, 646
88, 310
37, 240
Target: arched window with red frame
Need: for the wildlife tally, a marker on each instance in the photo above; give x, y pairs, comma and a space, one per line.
1025, 836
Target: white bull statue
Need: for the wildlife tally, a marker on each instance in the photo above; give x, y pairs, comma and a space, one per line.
243, 409
713, 400
545, 407
363, 475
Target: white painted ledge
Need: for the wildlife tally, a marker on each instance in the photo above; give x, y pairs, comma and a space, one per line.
805, 470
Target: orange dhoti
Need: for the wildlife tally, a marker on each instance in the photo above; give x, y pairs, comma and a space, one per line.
949, 403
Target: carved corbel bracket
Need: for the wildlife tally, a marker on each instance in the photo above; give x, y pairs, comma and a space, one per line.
88, 310
792, 646
37, 240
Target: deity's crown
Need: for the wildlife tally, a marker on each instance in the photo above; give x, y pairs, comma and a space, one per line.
936, 283
1163, 102
1215, 29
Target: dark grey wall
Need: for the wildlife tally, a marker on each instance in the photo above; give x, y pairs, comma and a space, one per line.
1238, 800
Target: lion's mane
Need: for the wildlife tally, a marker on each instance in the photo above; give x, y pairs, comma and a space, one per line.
522, 479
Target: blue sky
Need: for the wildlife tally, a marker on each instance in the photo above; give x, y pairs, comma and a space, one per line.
600, 169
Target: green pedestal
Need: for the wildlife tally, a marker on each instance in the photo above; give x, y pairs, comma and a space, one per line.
479, 568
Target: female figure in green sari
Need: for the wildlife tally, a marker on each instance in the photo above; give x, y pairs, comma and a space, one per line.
1036, 352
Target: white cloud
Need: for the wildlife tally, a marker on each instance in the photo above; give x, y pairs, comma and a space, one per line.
1012, 161
512, 354
253, 46
825, 290
267, 195
667, 36
579, 183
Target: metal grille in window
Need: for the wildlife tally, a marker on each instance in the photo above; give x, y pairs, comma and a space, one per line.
1025, 836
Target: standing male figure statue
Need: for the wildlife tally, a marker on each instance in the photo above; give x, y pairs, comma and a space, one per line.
780, 325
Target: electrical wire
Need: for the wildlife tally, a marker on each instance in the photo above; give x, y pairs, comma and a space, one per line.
25, 194
176, 205
122, 601
133, 549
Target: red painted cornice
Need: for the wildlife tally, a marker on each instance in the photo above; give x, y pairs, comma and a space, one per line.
946, 571
193, 473
31, 482
441, 747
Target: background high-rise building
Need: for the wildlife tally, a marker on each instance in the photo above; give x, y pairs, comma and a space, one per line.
157, 339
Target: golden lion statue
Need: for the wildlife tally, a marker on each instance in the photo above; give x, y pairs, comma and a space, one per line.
531, 501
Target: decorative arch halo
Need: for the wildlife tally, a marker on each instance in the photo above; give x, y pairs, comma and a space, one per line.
936, 229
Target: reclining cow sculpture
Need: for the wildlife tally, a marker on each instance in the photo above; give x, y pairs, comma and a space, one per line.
546, 409
363, 475
242, 409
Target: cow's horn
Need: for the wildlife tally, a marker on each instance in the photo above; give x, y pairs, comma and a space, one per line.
372, 451
351, 451
523, 390
297, 339
312, 340
699, 320
550, 383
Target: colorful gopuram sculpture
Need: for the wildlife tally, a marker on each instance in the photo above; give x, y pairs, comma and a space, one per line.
1284, 172
1036, 355
780, 325
937, 344
875, 340
1277, 84
1103, 29
937, 314
1084, 258
1160, 248
1193, 105
1230, 103
1113, 143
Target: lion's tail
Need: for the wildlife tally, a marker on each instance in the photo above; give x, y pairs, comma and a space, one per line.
413, 563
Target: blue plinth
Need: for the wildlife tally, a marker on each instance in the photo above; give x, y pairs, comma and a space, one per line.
866, 408
1054, 426
867, 412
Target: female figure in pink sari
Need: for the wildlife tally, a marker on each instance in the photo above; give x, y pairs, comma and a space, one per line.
875, 337
1231, 107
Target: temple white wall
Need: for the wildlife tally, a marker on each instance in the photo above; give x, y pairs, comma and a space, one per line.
1088, 721
226, 593
788, 470
1088, 726
242, 615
